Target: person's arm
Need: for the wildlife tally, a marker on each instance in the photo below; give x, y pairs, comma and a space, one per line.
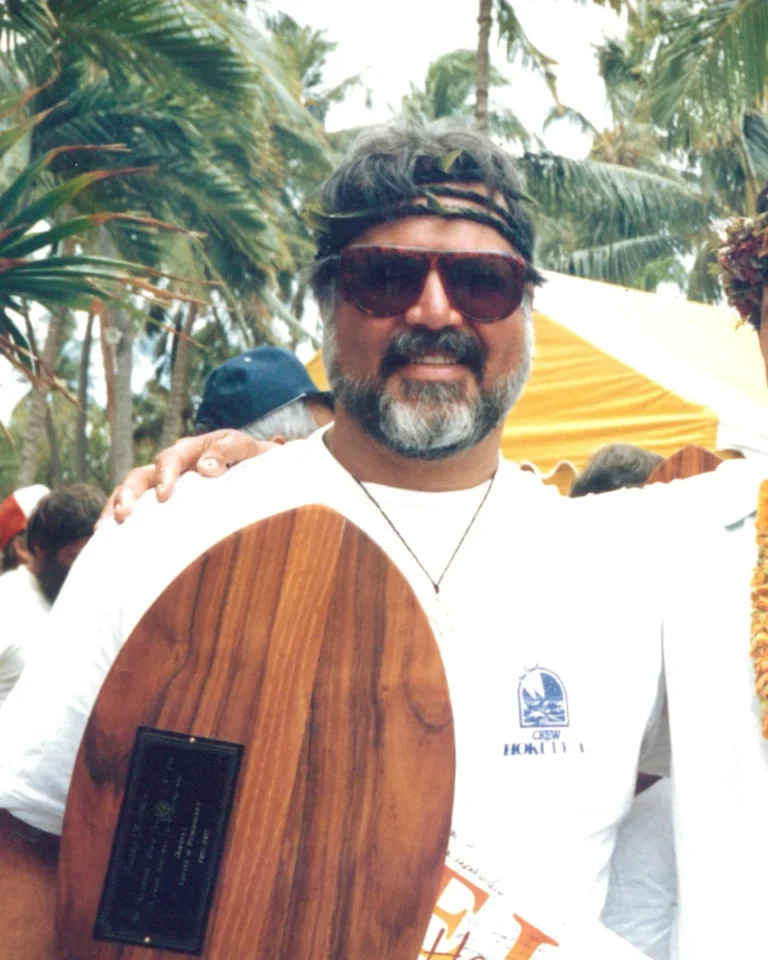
43, 718
210, 454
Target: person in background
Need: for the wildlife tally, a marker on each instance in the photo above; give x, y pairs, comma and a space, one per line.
268, 394
614, 467
265, 394
59, 527
14, 513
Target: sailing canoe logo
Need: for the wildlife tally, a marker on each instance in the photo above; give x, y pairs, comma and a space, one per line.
541, 699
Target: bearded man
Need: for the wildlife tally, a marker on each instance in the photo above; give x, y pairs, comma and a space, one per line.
552, 650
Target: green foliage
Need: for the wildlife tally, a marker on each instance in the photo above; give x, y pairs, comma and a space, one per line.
610, 222
449, 91
687, 89
519, 47
710, 64
64, 424
307, 50
214, 115
32, 268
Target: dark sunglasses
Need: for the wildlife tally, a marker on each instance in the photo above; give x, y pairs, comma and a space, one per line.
386, 281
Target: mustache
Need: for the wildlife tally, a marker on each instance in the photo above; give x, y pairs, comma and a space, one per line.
411, 344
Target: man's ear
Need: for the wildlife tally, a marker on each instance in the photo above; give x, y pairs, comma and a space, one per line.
279, 439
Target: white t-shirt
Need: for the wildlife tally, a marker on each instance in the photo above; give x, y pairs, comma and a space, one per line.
553, 666
24, 610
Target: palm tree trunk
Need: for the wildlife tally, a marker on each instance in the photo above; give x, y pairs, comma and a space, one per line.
107, 356
30, 451
482, 65
117, 321
55, 471
81, 439
172, 422
121, 453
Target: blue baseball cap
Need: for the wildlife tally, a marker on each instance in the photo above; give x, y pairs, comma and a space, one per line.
253, 384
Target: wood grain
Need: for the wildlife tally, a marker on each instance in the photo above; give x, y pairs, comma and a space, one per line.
688, 462
298, 638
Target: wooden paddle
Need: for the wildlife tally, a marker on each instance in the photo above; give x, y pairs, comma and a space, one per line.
298, 639
688, 462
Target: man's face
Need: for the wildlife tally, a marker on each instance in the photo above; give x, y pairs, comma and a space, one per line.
51, 567
429, 382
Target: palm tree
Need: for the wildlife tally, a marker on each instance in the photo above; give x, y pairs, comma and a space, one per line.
686, 88
604, 217
306, 50
708, 81
194, 88
449, 91
707, 90
609, 222
43, 266
518, 47
647, 247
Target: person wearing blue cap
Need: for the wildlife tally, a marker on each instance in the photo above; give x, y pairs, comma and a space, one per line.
267, 393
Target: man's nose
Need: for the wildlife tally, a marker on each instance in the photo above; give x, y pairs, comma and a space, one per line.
433, 308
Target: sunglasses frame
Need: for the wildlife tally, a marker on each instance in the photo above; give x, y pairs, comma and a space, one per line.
433, 259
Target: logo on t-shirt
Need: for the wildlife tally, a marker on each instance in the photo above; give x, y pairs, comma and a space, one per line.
541, 699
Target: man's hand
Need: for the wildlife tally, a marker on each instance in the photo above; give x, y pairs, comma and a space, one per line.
211, 454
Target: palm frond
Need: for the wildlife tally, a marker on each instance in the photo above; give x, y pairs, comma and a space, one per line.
621, 195
619, 262
28, 19
703, 278
621, 76
520, 48
712, 59
560, 112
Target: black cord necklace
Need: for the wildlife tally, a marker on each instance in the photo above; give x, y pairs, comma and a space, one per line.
435, 583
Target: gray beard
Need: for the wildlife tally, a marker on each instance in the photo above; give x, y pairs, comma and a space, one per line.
433, 420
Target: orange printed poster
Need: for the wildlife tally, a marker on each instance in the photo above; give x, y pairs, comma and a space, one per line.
471, 921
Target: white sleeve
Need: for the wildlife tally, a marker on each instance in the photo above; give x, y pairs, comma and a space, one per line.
43, 719
642, 891
656, 748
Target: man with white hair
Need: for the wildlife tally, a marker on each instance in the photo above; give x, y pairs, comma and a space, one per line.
267, 393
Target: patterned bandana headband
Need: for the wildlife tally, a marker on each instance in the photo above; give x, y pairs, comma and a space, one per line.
434, 177
743, 261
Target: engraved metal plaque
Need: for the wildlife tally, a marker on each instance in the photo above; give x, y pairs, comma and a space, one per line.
169, 841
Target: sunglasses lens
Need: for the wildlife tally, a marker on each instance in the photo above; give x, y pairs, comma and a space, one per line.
381, 282
483, 286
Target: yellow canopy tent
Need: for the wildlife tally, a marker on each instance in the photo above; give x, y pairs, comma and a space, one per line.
620, 365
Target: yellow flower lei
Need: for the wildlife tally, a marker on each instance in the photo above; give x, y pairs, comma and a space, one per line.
759, 643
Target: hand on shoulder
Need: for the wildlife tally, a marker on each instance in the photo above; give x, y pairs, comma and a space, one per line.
210, 454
